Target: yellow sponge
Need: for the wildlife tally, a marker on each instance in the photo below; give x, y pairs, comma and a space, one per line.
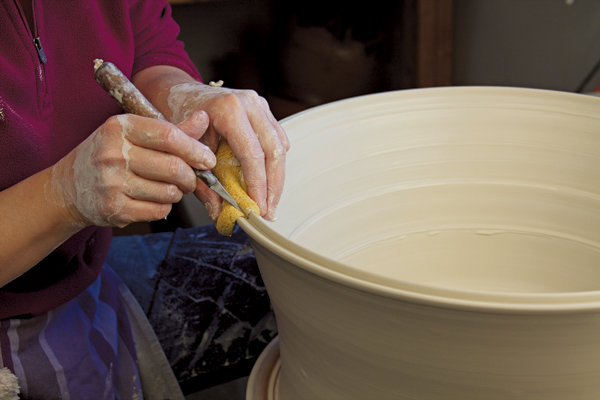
229, 172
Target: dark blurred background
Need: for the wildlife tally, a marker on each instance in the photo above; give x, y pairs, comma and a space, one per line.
299, 54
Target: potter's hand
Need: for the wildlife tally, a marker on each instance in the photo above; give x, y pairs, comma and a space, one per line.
258, 141
131, 169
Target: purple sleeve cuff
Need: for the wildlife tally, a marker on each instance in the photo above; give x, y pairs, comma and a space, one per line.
155, 33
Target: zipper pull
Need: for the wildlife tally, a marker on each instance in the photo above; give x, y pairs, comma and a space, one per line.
38, 45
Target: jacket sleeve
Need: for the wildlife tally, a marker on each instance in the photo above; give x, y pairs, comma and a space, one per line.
155, 35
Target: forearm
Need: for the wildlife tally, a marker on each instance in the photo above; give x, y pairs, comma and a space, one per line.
33, 222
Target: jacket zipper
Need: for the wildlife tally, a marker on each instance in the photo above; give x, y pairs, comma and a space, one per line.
46, 105
30, 29
37, 42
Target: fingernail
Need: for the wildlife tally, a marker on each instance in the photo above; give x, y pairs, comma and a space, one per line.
211, 162
207, 158
272, 211
212, 213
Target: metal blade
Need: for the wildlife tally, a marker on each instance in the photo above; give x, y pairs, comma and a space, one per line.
213, 183
223, 193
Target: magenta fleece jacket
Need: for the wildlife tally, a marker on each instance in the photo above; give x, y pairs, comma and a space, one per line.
47, 109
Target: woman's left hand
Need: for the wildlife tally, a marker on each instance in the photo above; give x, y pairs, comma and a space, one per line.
258, 141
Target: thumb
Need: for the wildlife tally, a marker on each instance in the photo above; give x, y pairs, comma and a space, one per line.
195, 125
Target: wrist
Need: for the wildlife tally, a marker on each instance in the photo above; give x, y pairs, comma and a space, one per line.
156, 82
59, 193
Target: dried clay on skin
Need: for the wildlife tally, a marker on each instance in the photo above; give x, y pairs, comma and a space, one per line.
87, 179
182, 99
244, 119
82, 184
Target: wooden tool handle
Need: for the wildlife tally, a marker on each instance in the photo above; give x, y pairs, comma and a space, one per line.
123, 91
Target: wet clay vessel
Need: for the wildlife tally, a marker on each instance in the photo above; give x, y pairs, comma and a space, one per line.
438, 244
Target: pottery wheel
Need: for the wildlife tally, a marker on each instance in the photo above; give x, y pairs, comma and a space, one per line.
263, 382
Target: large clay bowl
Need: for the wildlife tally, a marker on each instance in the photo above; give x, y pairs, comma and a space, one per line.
439, 244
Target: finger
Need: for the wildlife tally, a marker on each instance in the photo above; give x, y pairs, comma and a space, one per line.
196, 124
158, 192
248, 150
163, 167
211, 200
275, 154
211, 139
139, 211
275, 168
269, 115
282, 135
166, 137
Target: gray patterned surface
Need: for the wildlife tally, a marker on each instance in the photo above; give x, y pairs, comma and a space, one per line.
204, 297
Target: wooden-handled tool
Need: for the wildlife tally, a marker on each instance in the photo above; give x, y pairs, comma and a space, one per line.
133, 102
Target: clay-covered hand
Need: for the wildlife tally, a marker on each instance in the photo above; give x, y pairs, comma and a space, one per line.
130, 169
258, 141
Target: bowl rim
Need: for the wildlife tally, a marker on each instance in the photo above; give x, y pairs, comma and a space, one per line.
497, 302
462, 299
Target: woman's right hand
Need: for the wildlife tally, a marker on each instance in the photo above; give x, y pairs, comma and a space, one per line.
130, 169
